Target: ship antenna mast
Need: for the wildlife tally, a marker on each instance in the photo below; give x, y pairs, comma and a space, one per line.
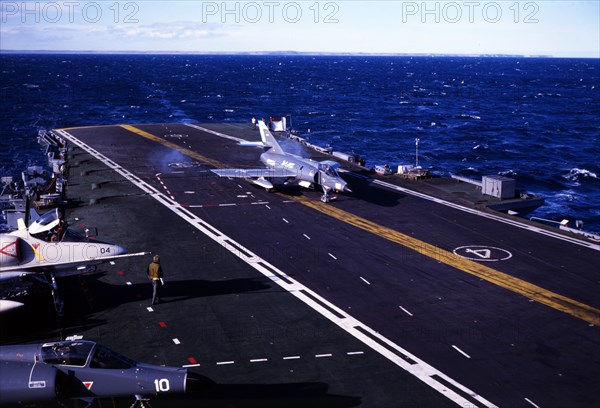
417, 152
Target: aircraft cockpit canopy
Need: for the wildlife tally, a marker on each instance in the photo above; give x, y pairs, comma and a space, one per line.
49, 227
45, 223
106, 358
67, 353
78, 353
329, 167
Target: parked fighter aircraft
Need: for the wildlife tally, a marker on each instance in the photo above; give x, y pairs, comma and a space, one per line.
283, 168
47, 250
80, 370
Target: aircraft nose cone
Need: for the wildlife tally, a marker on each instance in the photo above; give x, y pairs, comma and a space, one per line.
346, 189
119, 250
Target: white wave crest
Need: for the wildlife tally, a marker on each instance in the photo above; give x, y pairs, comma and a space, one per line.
576, 174
467, 116
508, 173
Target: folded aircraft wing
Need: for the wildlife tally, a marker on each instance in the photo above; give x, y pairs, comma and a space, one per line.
255, 173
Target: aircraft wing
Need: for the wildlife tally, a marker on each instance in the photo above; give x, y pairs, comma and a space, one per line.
255, 173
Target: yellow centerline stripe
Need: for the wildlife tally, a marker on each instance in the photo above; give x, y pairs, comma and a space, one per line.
519, 286
529, 290
165, 143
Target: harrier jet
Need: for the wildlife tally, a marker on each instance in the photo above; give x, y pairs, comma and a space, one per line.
283, 168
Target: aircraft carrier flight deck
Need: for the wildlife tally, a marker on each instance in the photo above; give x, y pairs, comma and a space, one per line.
387, 296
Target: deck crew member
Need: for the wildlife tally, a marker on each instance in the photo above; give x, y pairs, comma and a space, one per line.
155, 274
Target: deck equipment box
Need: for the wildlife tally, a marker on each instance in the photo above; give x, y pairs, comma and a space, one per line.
498, 186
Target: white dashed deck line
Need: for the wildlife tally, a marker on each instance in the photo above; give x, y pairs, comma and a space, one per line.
405, 311
460, 351
532, 403
426, 373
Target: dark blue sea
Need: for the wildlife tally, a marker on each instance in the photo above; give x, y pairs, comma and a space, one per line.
533, 119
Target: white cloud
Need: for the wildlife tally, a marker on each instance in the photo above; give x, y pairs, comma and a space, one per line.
360, 26
171, 31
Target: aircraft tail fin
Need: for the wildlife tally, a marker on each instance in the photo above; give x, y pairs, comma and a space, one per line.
268, 139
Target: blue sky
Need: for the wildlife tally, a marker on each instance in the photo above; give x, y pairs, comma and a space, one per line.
558, 28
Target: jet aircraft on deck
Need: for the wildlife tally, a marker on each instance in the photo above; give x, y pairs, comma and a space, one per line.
283, 168
47, 250
80, 370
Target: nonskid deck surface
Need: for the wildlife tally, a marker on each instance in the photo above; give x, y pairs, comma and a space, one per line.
381, 297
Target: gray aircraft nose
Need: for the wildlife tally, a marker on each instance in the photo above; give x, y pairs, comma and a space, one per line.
346, 189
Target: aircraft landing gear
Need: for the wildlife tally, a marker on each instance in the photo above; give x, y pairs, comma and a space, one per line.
143, 402
326, 197
58, 302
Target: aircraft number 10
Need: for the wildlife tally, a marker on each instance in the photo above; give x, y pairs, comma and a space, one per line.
162, 385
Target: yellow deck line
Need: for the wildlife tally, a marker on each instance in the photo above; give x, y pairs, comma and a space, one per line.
529, 290
516, 285
183, 150
100, 126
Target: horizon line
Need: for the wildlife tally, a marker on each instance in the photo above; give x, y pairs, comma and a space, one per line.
293, 53
307, 53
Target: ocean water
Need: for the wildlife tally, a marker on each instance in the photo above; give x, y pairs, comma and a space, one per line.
533, 119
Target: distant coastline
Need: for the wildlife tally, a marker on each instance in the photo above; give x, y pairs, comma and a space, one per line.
286, 53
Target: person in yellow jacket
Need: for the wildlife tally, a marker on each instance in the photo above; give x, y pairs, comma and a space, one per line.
155, 274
